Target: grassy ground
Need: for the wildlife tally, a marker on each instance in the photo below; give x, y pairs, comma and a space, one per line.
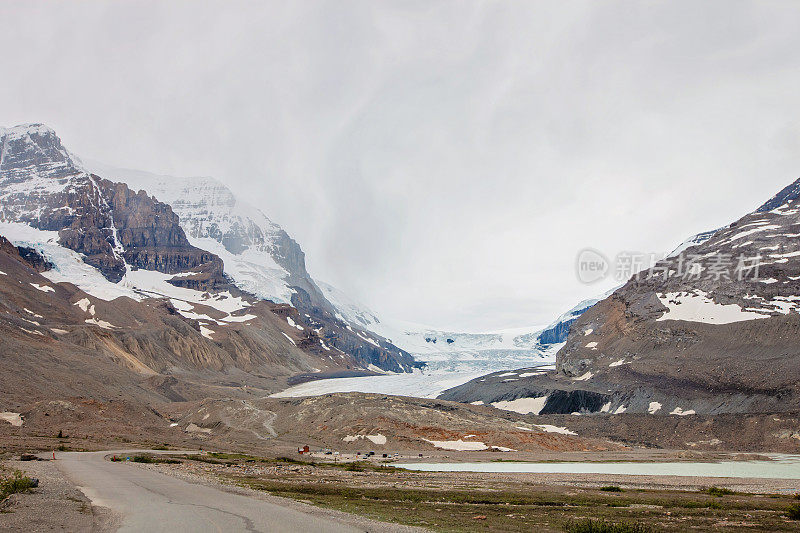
384, 494
544, 508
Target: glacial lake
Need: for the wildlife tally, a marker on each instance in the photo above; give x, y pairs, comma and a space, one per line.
780, 467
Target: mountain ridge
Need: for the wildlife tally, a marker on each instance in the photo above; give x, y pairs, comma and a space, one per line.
708, 330
127, 234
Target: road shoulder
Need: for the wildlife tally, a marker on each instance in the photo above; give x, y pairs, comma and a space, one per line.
55, 505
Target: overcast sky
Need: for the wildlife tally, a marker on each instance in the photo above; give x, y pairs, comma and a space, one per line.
443, 162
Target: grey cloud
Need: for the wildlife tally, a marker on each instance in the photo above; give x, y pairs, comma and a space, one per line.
442, 161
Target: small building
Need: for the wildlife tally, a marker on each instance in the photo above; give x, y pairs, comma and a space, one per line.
304, 449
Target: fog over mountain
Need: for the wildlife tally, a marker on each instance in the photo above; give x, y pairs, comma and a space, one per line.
441, 173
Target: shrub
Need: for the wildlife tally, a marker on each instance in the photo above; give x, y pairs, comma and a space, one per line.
611, 488
152, 460
17, 482
602, 526
793, 511
289, 460
719, 491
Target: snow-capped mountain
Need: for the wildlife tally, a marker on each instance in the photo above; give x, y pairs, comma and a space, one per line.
711, 329
44, 186
258, 256
118, 242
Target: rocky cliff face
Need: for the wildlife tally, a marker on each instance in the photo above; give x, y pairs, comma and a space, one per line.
44, 186
204, 234
58, 341
262, 259
713, 328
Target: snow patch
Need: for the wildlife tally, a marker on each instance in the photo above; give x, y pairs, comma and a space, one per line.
698, 307
522, 405
459, 445
653, 407
206, 332
680, 412
15, 419
43, 288
555, 429
101, 323
530, 374
375, 439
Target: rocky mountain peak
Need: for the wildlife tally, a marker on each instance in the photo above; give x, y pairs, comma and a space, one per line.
787, 194
43, 185
34, 150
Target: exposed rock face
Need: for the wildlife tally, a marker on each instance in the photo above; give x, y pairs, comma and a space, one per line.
721, 336
43, 185
117, 229
262, 259
58, 341
709, 330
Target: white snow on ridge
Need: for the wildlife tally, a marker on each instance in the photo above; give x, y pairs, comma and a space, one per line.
698, 307
68, 267
208, 210
253, 270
